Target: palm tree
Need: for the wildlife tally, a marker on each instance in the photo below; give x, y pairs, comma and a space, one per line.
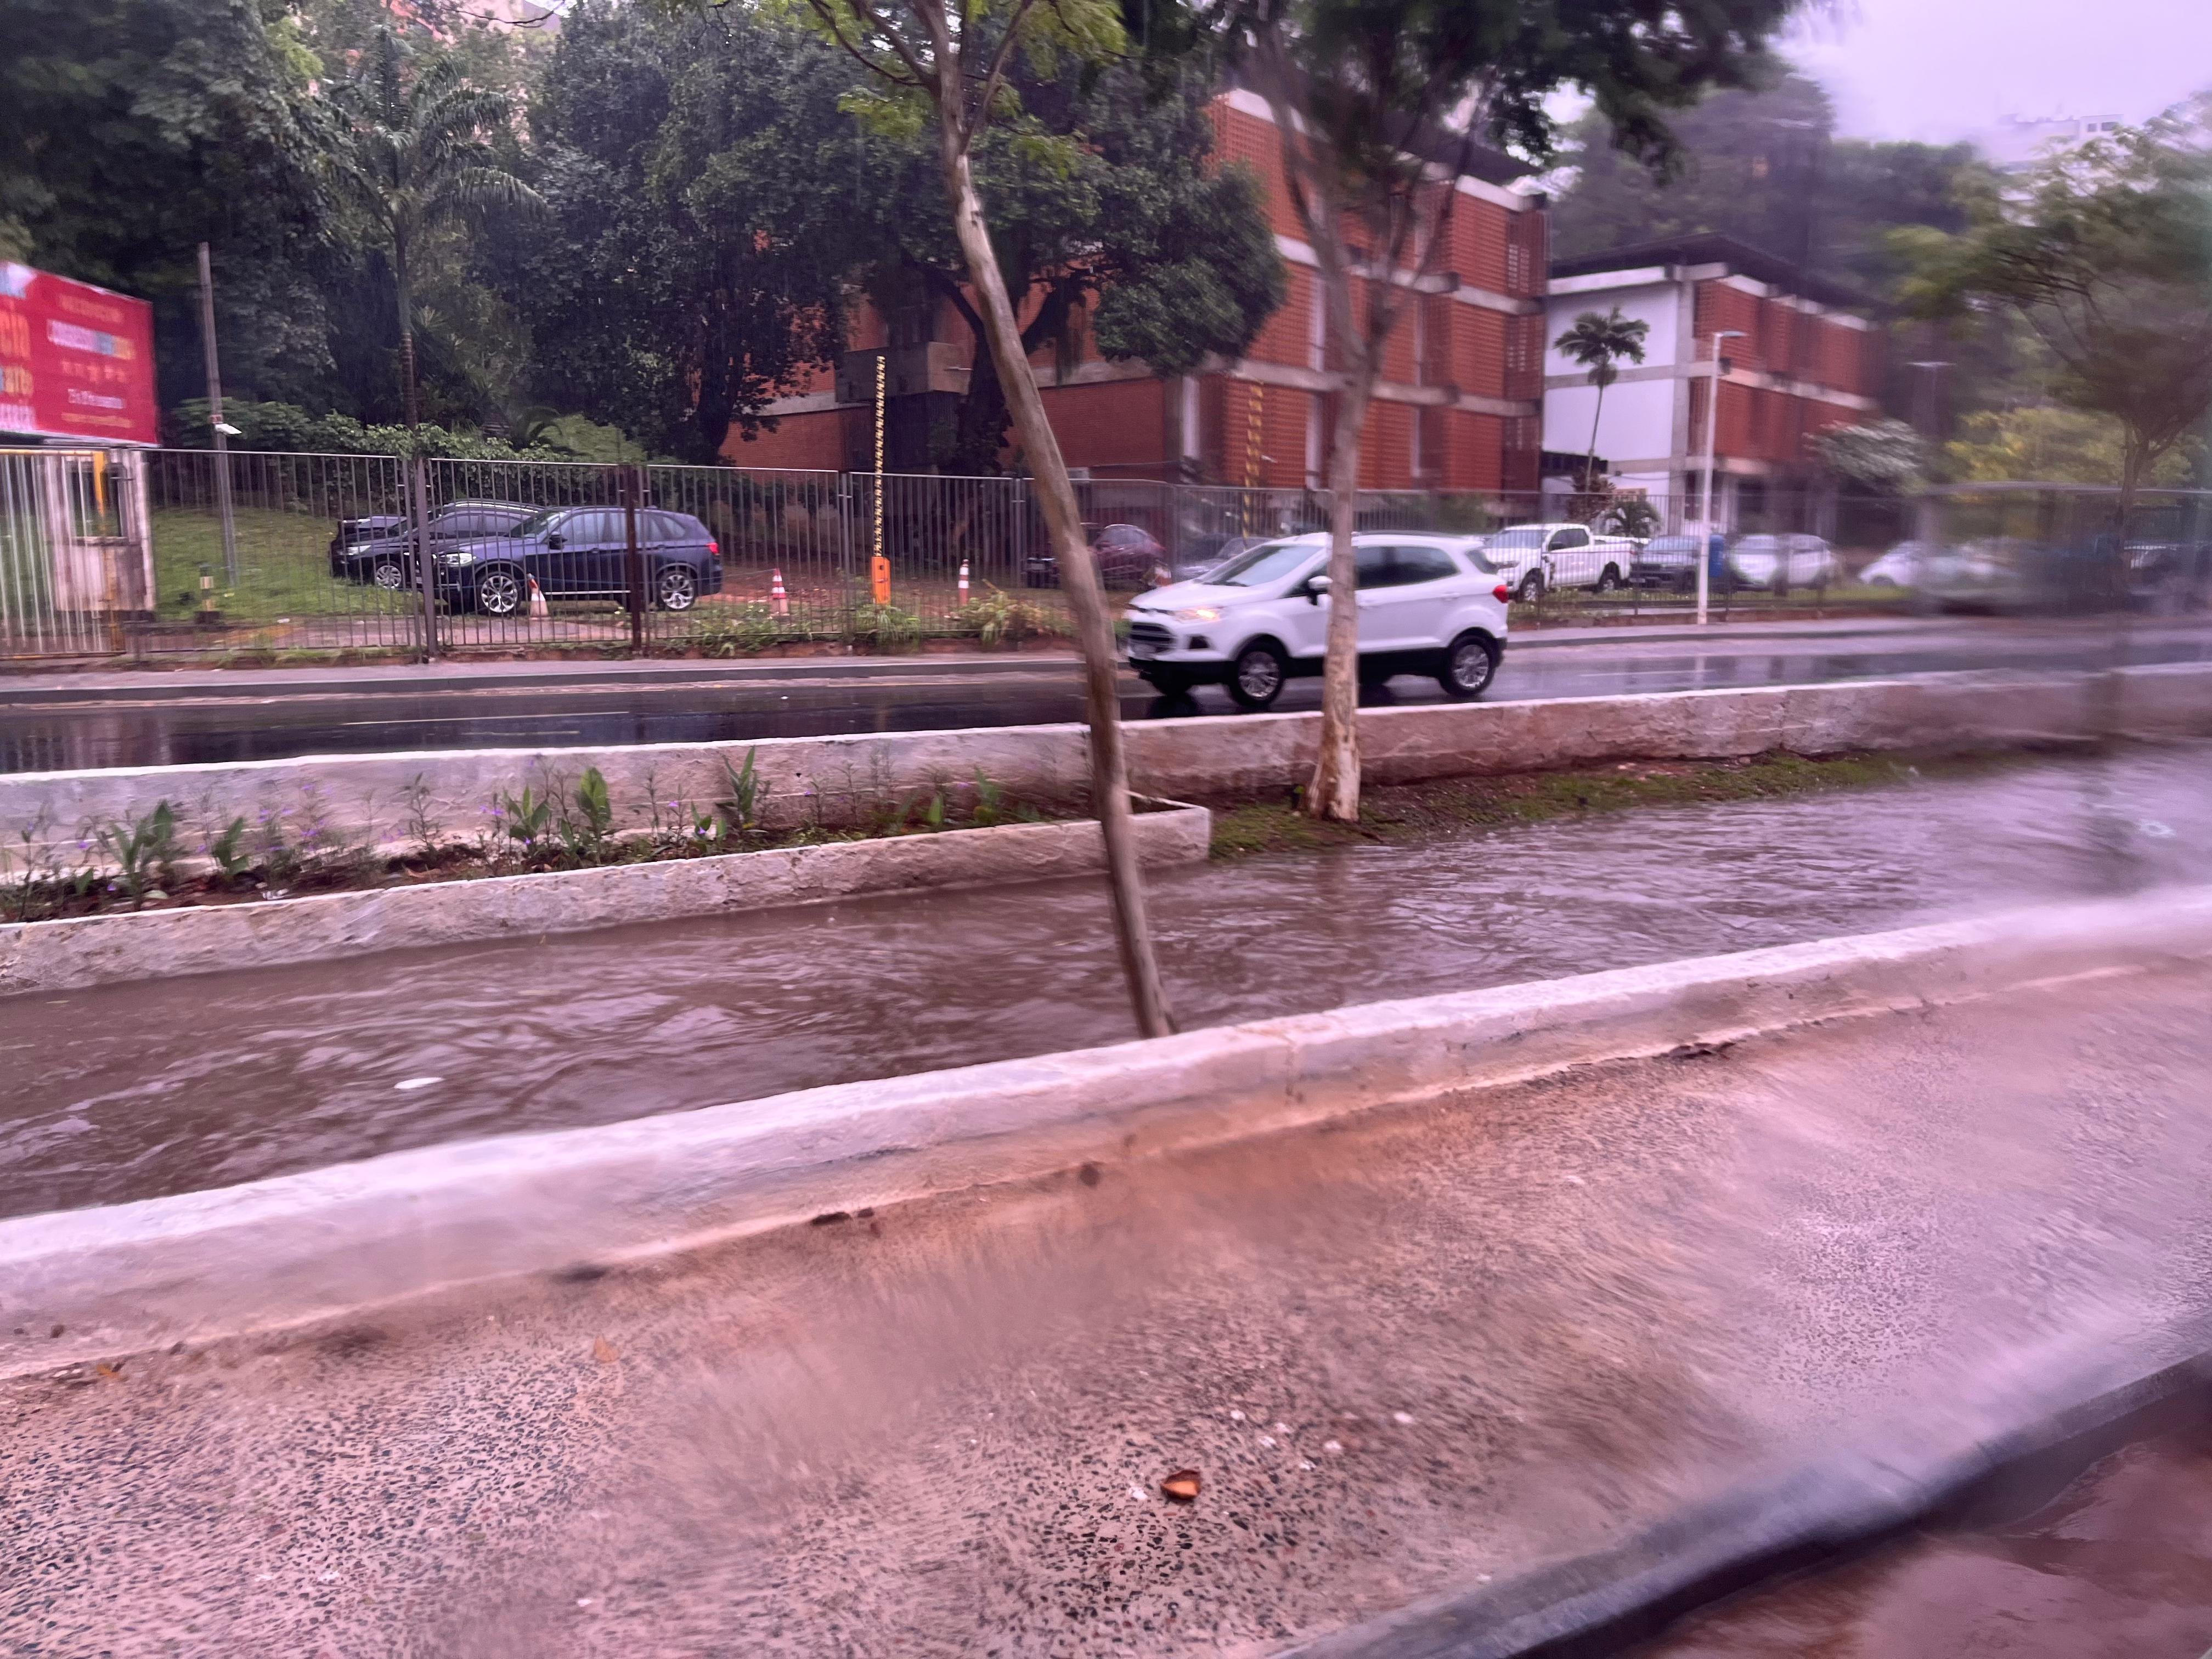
1597, 341
410, 149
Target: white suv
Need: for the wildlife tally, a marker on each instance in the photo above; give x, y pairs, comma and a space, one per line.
1532, 558
1428, 605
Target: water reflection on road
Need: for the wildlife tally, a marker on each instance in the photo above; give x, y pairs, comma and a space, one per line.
135, 1090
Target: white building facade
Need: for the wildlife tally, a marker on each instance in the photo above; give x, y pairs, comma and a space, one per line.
1805, 360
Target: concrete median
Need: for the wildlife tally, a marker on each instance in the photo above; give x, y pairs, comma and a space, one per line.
372, 798
96, 1283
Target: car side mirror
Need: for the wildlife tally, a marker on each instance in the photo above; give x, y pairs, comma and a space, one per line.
555, 541
1317, 589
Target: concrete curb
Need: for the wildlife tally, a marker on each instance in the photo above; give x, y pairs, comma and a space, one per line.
107, 950
1978, 1461
299, 1248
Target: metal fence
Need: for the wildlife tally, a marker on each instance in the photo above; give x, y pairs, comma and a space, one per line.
267, 554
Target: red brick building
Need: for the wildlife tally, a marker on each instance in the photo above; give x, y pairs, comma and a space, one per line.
1458, 406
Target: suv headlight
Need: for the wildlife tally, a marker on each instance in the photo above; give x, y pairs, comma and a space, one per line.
1199, 613
464, 556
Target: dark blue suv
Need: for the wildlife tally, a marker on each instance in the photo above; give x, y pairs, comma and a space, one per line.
582, 552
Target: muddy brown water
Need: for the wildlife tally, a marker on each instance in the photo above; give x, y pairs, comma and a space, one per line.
2119, 1566
134, 1092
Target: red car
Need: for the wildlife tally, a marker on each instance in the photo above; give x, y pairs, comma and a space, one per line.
1127, 557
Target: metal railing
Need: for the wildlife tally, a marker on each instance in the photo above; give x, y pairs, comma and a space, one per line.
130, 553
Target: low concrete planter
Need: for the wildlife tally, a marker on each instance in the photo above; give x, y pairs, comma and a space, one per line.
84, 950
88, 1283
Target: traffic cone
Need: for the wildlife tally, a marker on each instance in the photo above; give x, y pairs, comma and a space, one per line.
779, 602
963, 581
537, 605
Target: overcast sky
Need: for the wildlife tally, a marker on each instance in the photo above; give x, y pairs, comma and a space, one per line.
1941, 70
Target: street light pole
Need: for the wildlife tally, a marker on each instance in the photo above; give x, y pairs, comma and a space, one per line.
1712, 442
214, 419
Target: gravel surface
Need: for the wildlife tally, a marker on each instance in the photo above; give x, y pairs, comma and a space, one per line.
1401, 1354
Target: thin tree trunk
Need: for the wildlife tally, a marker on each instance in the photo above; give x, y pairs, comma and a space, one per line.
408, 402
1589, 462
1334, 792
1079, 575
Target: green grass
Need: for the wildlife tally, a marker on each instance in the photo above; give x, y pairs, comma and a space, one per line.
1397, 813
283, 561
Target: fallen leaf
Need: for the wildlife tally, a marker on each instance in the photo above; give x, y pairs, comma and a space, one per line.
107, 1370
1181, 1485
603, 1351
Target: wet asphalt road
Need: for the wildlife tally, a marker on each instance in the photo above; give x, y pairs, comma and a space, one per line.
177, 731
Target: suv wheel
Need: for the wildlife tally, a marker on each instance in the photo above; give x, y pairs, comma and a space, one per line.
500, 592
1256, 678
389, 575
676, 588
1608, 579
1469, 663
1531, 587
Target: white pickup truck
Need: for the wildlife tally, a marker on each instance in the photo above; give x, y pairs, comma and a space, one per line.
1535, 557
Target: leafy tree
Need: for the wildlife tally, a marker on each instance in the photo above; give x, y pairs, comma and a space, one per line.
1377, 105
130, 130
1598, 340
2105, 251
410, 149
1762, 164
944, 70
1884, 454
2059, 446
692, 267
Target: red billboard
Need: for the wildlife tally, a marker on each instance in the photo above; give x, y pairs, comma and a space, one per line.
76, 361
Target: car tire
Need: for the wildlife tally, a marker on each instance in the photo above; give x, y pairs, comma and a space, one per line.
675, 587
1531, 588
1608, 579
1257, 676
389, 575
502, 591
1470, 664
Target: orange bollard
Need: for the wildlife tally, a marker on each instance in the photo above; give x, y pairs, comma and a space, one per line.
779, 603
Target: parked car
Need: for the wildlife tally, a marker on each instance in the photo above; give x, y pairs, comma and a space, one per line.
1783, 562
1201, 554
1535, 557
1431, 605
385, 556
1671, 563
1903, 565
582, 552
1127, 554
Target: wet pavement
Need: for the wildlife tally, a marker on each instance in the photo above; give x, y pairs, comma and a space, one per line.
2119, 1566
1403, 1353
177, 731
136, 1090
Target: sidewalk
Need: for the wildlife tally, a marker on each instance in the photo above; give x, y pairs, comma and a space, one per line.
150, 685
1420, 1350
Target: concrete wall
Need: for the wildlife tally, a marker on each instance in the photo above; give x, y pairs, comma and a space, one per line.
114, 1280
368, 796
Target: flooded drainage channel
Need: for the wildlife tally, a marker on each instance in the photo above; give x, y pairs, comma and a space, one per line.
139, 1090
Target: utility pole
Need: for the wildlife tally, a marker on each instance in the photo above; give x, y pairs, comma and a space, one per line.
1712, 461
222, 430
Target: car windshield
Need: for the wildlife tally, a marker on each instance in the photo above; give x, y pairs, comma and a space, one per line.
1507, 540
1268, 563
